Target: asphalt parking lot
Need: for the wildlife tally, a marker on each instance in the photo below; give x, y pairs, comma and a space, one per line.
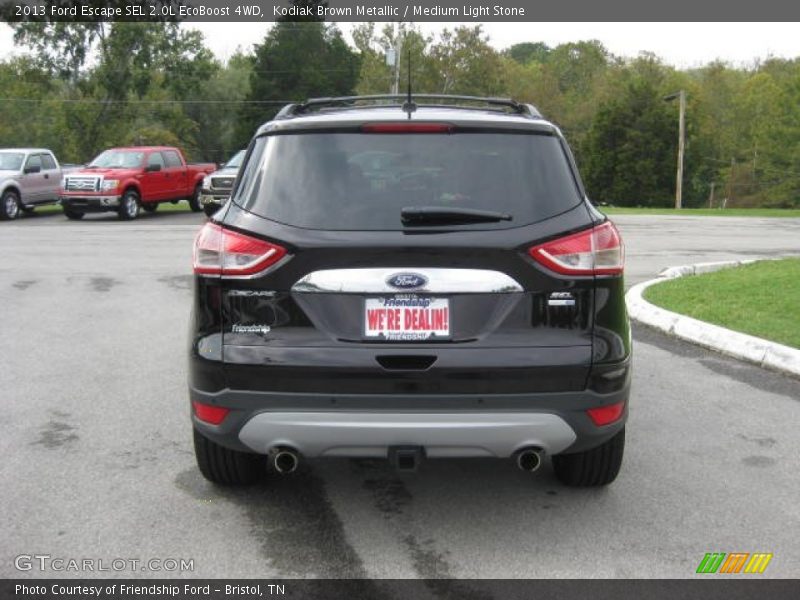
97, 457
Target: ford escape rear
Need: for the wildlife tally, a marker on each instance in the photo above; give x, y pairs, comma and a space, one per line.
409, 281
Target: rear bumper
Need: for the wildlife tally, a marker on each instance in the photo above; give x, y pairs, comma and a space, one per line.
444, 425
442, 435
90, 203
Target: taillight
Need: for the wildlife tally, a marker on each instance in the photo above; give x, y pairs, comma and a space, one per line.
210, 414
407, 127
596, 251
220, 251
605, 415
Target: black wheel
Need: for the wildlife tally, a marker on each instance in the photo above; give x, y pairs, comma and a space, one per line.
73, 215
9, 205
210, 209
194, 201
129, 206
224, 466
595, 467
150, 207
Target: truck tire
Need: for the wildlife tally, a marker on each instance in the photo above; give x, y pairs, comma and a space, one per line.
224, 466
591, 468
129, 206
73, 215
9, 206
194, 201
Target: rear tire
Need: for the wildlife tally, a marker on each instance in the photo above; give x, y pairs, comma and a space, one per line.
194, 201
225, 466
73, 215
129, 206
9, 206
595, 467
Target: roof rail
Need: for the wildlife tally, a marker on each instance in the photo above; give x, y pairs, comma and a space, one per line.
287, 111
291, 110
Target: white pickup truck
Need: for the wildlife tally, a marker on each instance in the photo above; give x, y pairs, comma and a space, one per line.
29, 177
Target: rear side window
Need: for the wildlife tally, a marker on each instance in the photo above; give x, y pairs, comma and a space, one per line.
172, 159
47, 162
362, 181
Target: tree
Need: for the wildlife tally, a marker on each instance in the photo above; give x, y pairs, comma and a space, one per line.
466, 63
629, 156
528, 52
297, 60
103, 67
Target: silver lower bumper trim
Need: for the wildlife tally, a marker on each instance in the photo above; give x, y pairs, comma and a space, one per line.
441, 434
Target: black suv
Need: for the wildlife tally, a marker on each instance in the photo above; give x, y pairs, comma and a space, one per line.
409, 278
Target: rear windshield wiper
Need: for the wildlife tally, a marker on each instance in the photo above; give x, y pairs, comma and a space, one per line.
442, 215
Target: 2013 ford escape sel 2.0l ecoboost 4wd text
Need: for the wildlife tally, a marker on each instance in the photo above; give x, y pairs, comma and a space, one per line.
409, 279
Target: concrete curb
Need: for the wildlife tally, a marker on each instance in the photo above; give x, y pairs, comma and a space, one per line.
764, 353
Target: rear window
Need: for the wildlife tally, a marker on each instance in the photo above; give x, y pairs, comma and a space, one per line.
172, 159
47, 162
360, 181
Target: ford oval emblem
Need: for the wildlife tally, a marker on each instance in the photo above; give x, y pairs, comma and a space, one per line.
407, 281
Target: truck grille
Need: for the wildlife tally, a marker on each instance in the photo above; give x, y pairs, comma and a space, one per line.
222, 183
82, 184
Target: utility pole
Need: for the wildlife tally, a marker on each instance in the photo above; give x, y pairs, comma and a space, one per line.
398, 48
681, 143
730, 182
681, 96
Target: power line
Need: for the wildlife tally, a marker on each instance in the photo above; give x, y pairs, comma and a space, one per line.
93, 101
743, 161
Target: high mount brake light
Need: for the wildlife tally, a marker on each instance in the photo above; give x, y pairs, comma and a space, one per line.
595, 251
220, 251
404, 127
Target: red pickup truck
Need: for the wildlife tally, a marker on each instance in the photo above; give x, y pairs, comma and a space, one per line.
124, 180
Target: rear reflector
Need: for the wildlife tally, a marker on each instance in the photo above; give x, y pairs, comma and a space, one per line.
605, 415
595, 251
210, 414
220, 251
404, 127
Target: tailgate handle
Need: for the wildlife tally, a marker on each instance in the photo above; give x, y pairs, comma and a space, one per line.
406, 362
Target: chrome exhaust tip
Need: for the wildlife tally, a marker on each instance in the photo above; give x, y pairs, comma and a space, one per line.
529, 459
285, 460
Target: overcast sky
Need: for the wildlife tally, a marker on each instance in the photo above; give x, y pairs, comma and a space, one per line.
682, 45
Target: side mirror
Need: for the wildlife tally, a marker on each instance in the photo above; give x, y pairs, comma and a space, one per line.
152, 168
30, 170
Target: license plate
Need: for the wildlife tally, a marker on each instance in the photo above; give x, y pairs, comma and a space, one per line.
407, 318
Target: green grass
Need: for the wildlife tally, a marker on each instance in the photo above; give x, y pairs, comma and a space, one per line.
703, 212
760, 299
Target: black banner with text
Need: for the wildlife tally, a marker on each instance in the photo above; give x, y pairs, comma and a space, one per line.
398, 10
